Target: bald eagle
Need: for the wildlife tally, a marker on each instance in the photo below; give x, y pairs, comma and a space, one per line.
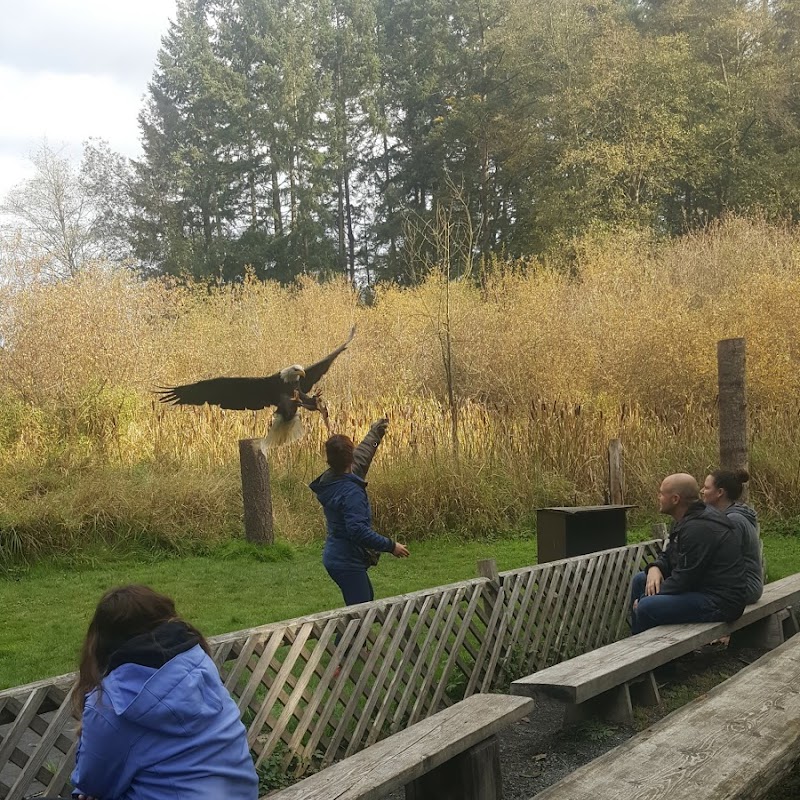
287, 390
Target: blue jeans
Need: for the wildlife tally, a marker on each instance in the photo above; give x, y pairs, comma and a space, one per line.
669, 609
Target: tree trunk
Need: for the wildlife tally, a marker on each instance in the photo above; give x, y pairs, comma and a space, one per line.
256, 491
351, 239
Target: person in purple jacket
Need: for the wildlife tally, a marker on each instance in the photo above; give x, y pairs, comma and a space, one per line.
156, 721
342, 492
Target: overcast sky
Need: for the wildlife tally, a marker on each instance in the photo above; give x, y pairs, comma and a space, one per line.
71, 69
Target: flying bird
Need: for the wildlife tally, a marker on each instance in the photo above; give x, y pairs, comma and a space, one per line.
287, 390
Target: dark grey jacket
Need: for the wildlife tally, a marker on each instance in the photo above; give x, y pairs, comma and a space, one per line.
745, 522
704, 554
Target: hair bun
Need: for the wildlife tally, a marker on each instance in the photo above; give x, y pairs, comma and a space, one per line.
742, 475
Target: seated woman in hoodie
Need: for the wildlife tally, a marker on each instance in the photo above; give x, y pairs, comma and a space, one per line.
156, 720
722, 490
342, 492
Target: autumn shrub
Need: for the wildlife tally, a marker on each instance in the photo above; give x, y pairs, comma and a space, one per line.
549, 361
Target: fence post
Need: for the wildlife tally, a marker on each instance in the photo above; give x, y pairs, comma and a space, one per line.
732, 405
616, 478
256, 492
487, 568
660, 531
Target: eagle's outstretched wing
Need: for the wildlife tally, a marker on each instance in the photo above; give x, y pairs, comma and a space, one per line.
315, 372
233, 393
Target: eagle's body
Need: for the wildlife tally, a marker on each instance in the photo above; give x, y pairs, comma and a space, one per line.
287, 390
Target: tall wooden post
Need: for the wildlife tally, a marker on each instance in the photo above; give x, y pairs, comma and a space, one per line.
616, 491
732, 405
256, 492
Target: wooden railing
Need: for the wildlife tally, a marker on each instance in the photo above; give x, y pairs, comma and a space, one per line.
308, 699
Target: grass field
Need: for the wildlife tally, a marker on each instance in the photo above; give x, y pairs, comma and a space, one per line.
46, 609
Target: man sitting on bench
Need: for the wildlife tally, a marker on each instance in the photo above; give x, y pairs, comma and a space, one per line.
700, 575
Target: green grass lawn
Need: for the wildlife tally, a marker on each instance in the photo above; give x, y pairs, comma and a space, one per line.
45, 610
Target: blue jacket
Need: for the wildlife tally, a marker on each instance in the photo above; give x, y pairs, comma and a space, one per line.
348, 518
167, 733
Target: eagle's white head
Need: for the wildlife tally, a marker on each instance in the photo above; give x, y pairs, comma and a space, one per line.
292, 374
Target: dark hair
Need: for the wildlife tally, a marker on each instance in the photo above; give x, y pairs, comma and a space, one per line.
121, 614
339, 453
731, 481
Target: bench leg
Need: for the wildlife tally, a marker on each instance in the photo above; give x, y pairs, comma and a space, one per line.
471, 775
790, 624
765, 634
615, 705
645, 693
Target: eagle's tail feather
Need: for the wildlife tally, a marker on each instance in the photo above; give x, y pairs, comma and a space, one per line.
282, 431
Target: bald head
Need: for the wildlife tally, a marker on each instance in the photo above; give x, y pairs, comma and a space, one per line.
683, 485
677, 493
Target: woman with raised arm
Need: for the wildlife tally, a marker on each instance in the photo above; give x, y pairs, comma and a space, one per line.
352, 544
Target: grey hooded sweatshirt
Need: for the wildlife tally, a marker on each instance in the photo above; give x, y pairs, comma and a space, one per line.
745, 522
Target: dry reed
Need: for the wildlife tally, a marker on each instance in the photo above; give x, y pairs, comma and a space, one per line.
548, 366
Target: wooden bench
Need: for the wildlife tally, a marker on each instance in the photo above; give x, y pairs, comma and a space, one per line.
605, 681
734, 742
452, 755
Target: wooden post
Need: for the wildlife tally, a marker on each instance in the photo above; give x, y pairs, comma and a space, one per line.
732, 405
660, 531
256, 492
616, 492
487, 568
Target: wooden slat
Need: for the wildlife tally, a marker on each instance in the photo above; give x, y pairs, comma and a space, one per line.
737, 741
298, 693
401, 758
30, 709
443, 634
28, 773
61, 779
321, 709
519, 613
588, 675
395, 683
478, 676
462, 632
390, 627
594, 634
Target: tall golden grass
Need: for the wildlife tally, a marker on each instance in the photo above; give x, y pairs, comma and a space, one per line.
549, 364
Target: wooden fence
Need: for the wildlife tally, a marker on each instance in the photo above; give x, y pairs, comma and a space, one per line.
318, 688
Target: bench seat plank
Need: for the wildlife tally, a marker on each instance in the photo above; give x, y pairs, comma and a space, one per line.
735, 742
588, 675
405, 756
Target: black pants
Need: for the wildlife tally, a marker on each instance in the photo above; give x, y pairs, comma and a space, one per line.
355, 585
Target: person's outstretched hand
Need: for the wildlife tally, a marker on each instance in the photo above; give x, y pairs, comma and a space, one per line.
400, 550
380, 426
